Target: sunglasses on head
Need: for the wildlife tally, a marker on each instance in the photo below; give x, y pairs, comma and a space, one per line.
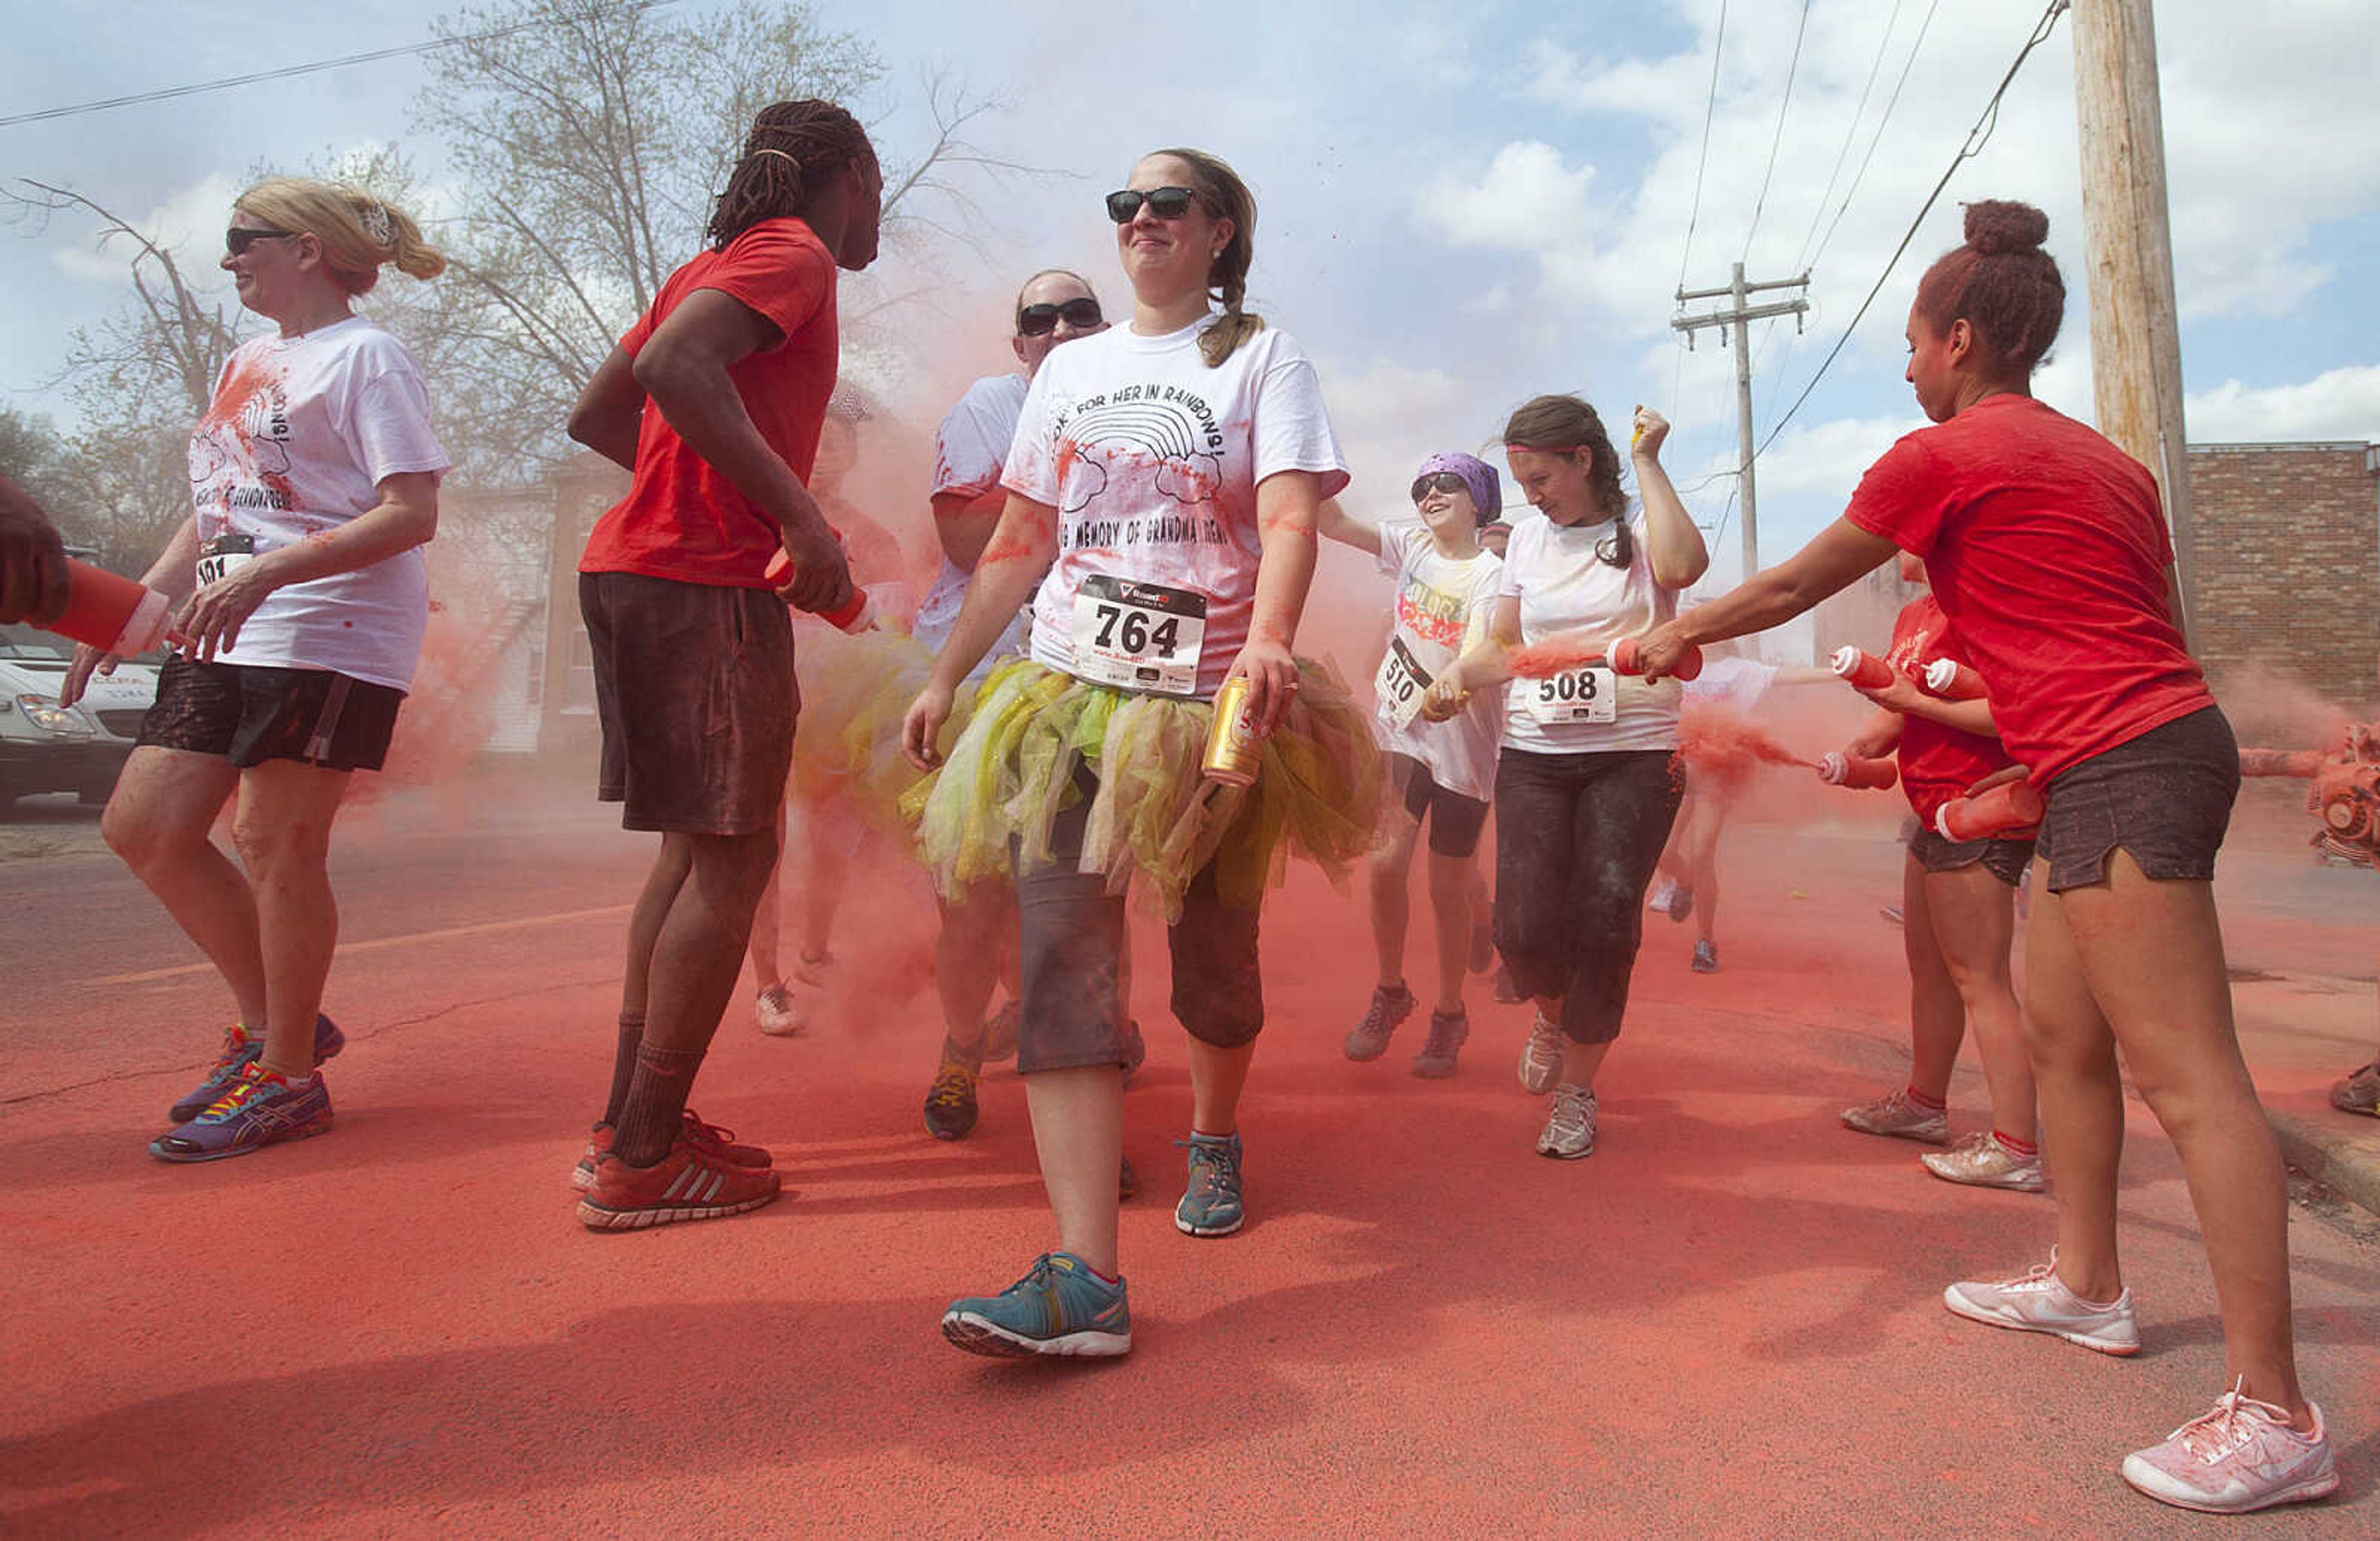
1164, 202
239, 238
1439, 481
1033, 321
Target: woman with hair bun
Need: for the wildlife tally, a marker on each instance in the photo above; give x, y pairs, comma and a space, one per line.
303, 597
2048, 551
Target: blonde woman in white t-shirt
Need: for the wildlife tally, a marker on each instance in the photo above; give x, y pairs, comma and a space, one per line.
1441, 773
1165, 476
302, 599
1588, 785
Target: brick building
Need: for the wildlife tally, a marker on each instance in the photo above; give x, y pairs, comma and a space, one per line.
2289, 562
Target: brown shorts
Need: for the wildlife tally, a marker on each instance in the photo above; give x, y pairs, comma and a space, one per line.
2005, 859
249, 714
695, 688
2164, 797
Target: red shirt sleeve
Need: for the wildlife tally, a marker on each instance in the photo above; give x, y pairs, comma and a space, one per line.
779, 269
1899, 498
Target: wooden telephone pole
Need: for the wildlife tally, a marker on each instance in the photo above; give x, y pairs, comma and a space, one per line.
2128, 244
1738, 315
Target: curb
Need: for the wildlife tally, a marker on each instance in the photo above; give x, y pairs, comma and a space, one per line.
2345, 1160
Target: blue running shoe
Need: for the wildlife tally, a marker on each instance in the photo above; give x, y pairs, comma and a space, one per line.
260, 1108
1212, 1206
1060, 1308
239, 1051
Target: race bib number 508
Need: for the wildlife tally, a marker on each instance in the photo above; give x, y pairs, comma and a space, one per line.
1588, 695
1138, 636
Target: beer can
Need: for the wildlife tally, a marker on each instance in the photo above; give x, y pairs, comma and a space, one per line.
1233, 750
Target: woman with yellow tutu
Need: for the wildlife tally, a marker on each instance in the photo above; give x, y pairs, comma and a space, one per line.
1173, 469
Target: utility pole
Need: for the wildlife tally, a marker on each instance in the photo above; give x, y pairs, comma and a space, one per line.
1739, 314
2128, 244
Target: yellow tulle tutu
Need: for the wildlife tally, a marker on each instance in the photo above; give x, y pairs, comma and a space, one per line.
1011, 772
855, 691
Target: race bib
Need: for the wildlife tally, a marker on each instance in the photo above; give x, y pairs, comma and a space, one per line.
1587, 695
1138, 636
225, 555
1400, 683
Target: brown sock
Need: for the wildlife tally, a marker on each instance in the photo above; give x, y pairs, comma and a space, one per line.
656, 1104
624, 1065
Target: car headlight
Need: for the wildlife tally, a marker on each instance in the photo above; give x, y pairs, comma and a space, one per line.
45, 713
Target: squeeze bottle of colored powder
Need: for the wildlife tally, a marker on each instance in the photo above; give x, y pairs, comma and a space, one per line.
1624, 659
1953, 681
1859, 772
112, 613
856, 615
1860, 669
2010, 807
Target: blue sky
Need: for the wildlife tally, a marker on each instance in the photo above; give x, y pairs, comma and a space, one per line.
1461, 205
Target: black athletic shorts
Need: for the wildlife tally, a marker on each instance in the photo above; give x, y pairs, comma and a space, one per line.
2005, 859
1454, 821
2165, 797
249, 714
695, 688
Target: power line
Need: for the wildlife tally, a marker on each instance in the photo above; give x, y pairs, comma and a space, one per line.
1793, 68
1877, 138
1710, 106
1977, 137
288, 71
1851, 132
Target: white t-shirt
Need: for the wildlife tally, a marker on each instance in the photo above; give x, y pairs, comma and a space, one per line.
1563, 586
969, 449
1441, 604
300, 435
1736, 683
1152, 460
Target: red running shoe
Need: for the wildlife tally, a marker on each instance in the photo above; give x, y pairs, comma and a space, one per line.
707, 1137
689, 1183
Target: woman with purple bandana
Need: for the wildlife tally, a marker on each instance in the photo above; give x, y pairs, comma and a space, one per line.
1441, 772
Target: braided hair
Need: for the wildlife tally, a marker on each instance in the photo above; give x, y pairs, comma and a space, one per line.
1564, 425
1226, 197
794, 148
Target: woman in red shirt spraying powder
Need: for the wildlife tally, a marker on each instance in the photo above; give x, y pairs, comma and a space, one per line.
1960, 909
2050, 556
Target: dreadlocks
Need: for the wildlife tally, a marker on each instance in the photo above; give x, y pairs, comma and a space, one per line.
793, 149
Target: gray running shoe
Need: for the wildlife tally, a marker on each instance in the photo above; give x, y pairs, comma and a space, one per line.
1897, 1116
1447, 1032
1706, 957
1541, 1057
1570, 1127
2040, 1302
1391, 1005
2359, 1093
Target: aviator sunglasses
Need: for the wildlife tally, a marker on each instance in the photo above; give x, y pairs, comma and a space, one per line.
1034, 321
239, 238
1439, 481
1164, 202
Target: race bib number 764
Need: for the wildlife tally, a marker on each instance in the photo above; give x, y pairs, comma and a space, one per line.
1138, 636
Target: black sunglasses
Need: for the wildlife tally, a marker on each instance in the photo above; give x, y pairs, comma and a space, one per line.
239, 238
1164, 202
1033, 321
1439, 481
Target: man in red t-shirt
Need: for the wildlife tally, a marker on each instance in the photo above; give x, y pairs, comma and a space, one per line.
714, 402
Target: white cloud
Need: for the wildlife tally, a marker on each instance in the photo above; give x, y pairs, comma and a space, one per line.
1830, 457
1386, 419
188, 223
2343, 404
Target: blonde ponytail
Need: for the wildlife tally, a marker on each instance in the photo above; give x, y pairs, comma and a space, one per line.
358, 232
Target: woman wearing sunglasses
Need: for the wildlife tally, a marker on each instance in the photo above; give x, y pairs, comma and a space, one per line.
1440, 773
303, 597
1587, 785
1172, 471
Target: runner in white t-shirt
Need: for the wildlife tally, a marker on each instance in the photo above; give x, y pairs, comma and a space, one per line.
1443, 773
303, 598
1172, 470
1587, 784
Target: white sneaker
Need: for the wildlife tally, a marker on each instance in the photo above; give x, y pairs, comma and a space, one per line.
1897, 1116
1664, 888
1569, 1126
2241, 1456
1541, 1057
778, 1013
1980, 1161
2040, 1302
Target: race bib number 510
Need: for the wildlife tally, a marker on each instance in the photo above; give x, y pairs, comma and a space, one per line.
1401, 682
1138, 636
1588, 695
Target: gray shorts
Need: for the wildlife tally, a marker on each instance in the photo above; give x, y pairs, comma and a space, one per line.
1071, 948
2164, 797
2005, 859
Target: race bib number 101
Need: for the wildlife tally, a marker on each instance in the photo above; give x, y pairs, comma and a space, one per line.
1401, 682
223, 556
1138, 636
1588, 695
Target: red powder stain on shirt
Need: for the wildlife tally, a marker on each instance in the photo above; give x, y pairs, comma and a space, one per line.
1719, 740
1555, 655
243, 385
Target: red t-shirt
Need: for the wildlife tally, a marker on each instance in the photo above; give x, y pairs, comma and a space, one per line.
2047, 548
1937, 763
682, 519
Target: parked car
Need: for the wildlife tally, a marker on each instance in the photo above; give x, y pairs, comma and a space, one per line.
47, 747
